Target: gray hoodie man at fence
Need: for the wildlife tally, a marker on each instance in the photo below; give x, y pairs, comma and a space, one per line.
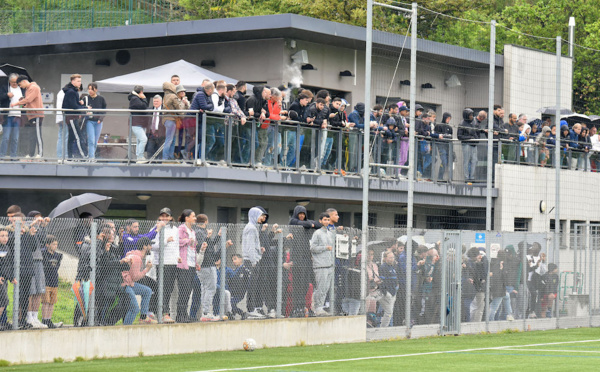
252, 253
321, 246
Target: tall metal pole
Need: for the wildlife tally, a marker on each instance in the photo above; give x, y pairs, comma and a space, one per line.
365, 171
571, 35
411, 163
490, 142
17, 275
557, 161
160, 274
93, 252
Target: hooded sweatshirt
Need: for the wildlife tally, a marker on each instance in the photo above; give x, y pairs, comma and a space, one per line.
71, 101
138, 119
321, 239
358, 116
250, 237
170, 101
542, 138
467, 130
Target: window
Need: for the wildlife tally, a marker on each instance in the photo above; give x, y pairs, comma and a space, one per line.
577, 236
372, 221
400, 220
125, 211
226, 215
522, 224
563, 238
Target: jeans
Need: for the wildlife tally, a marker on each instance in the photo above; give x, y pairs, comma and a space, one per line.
424, 158
169, 149
93, 135
215, 139
10, 136
272, 153
185, 278
325, 149
442, 149
140, 135
244, 142
469, 161
289, 148
477, 306
494, 306
62, 141
137, 289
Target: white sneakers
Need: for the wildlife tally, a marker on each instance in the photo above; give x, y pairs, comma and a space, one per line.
209, 318
321, 312
35, 322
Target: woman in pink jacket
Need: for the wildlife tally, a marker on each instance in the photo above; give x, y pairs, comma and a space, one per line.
137, 271
186, 264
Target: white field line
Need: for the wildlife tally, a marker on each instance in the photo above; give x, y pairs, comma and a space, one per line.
395, 356
556, 351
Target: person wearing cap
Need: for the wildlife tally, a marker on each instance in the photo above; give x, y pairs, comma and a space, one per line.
170, 254
139, 121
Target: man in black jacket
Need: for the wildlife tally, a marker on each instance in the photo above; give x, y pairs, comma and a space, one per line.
72, 119
300, 258
258, 107
468, 134
442, 133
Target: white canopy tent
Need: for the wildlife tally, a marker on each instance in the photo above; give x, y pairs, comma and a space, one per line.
152, 79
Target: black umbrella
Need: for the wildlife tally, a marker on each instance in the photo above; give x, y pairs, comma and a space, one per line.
12, 69
94, 204
549, 110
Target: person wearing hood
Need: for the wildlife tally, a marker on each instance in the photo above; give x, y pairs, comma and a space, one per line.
170, 102
321, 248
585, 145
356, 120
139, 121
542, 142
526, 139
595, 143
300, 258
468, 134
33, 126
252, 253
442, 133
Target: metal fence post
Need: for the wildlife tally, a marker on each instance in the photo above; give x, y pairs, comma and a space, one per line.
17, 276
223, 269
332, 287
94, 243
253, 142
557, 158
203, 145
160, 275
279, 274
129, 140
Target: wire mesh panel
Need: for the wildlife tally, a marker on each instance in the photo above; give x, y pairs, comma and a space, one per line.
451, 261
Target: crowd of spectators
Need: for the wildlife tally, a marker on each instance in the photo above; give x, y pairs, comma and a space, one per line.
170, 136
318, 277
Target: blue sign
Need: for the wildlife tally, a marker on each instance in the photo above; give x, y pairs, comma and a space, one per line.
479, 237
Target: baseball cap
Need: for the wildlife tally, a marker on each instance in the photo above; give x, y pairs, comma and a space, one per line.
166, 211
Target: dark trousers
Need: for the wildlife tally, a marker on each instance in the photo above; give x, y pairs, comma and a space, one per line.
400, 306
196, 296
254, 300
302, 276
154, 143
31, 136
24, 288
185, 279
169, 283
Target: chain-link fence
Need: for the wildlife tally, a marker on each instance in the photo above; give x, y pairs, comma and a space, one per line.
83, 272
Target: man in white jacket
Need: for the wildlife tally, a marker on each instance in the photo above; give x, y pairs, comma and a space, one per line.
170, 234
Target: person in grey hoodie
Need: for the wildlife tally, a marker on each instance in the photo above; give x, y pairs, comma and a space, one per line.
321, 247
252, 253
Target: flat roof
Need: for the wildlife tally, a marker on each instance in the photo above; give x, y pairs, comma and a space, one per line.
227, 29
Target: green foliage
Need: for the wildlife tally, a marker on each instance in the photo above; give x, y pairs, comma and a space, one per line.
59, 360
4, 363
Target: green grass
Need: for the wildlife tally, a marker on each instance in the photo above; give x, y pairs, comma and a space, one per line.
565, 357
63, 310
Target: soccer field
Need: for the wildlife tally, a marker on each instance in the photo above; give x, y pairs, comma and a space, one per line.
556, 350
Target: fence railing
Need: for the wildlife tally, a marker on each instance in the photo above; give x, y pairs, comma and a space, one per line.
194, 138
86, 271
55, 15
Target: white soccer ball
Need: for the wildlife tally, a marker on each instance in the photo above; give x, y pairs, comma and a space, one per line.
249, 344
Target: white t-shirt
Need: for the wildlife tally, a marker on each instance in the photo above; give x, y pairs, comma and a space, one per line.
17, 95
191, 253
60, 97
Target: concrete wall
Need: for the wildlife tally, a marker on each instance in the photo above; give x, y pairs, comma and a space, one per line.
530, 80
38, 346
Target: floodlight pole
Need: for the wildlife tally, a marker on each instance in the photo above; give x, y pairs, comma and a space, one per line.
490, 142
411, 149
557, 162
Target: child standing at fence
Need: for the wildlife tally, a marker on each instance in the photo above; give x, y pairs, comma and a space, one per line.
51, 261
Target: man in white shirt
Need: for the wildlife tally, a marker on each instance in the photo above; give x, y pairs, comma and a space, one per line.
10, 139
156, 132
